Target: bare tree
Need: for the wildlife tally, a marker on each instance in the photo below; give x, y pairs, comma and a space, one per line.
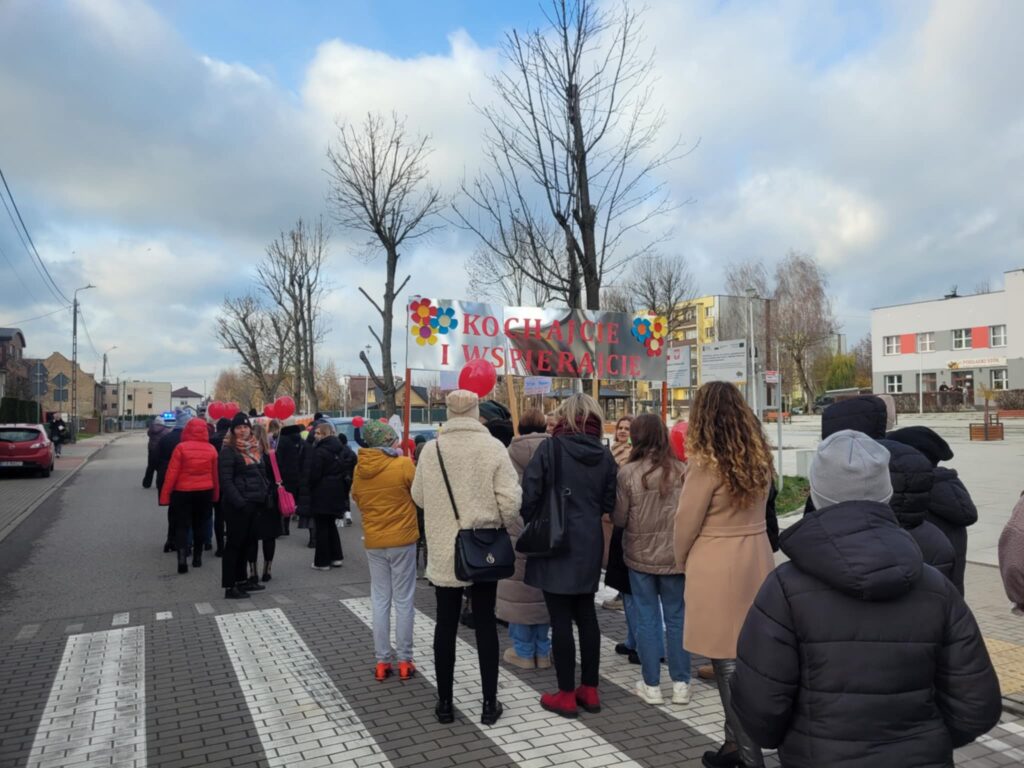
511, 276
235, 385
662, 284
331, 392
291, 273
803, 320
862, 358
262, 339
379, 188
572, 139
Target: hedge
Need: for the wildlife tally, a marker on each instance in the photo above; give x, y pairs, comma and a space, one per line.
14, 410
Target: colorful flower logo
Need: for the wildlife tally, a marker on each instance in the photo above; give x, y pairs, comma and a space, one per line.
429, 320
650, 330
445, 320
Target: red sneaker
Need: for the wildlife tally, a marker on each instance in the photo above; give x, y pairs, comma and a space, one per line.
562, 703
588, 698
406, 669
383, 671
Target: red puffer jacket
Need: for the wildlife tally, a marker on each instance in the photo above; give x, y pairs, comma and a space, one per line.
193, 464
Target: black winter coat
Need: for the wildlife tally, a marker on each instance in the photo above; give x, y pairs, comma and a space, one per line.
588, 477
912, 483
856, 654
290, 448
865, 414
327, 479
168, 442
951, 510
244, 484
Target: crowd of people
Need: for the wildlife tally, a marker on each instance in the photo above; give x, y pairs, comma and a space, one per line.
857, 650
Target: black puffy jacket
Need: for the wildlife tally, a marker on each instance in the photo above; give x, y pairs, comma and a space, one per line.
289, 452
865, 414
243, 484
327, 478
912, 483
164, 450
856, 654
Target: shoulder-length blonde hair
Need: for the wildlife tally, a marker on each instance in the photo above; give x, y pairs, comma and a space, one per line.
725, 437
576, 409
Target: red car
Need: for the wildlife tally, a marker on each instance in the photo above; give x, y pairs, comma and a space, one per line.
26, 446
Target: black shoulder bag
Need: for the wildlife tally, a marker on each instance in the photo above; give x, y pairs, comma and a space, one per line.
546, 534
481, 554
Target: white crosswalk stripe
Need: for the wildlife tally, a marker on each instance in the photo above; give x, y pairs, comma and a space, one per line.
96, 711
297, 710
525, 732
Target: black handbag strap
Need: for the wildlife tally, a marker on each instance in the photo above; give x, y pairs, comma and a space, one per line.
447, 483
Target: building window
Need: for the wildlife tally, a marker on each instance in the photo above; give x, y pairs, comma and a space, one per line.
929, 382
1000, 378
891, 345
926, 342
150, 406
962, 338
997, 335
894, 384
690, 335
128, 396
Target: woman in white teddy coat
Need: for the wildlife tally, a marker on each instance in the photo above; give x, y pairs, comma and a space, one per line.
487, 492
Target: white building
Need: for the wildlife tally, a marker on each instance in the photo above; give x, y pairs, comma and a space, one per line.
142, 398
957, 341
184, 397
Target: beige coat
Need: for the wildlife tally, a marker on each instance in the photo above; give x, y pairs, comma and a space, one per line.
484, 484
724, 551
519, 603
647, 519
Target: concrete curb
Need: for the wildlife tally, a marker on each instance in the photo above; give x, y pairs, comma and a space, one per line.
56, 485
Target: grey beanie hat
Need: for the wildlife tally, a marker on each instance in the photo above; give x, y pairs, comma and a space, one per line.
849, 466
181, 418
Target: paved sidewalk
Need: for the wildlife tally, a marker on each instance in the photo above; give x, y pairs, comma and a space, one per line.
21, 493
1003, 631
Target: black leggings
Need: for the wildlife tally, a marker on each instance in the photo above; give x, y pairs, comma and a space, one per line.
190, 510
482, 597
563, 611
269, 548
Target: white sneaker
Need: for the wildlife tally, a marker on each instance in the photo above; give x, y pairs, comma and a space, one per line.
680, 693
347, 520
320, 567
649, 693
335, 563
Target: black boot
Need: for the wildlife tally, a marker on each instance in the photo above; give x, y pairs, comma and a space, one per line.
235, 593
182, 561
444, 711
722, 758
168, 547
197, 557
253, 584
266, 571
492, 711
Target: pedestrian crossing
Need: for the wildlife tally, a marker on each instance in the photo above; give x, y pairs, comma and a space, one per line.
289, 683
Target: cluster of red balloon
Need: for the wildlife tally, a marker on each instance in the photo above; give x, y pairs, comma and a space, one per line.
218, 410
281, 408
677, 436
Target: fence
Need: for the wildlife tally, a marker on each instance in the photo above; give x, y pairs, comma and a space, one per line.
14, 410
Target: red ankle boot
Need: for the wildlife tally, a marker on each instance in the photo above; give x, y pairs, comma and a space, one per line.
562, 703
588, 698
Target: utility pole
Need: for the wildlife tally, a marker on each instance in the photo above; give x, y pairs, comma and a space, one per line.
74, 363
751, 294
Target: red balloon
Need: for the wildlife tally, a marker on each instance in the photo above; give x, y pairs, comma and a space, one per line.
479, 377
270, 411
284, 407
678, 439
230, 409
215, 410
382, 420
358, 422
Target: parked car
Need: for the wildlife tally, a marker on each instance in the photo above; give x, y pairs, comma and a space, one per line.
343, 426
26, 446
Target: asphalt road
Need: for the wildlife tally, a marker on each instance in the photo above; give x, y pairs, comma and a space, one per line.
96, 546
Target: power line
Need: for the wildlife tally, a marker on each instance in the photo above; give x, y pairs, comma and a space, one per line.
24, 245
34, 250
86, 329
23, 285
39, 317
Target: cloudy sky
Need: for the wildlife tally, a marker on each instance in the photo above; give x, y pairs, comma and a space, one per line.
154, 148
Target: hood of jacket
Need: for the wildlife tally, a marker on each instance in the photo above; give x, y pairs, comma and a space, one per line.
196, 430
585, 449
856, 547
372, 461
522, 447
950, 499
292, 429
912, 480
330, 444
865, 414
155, 429
926, 440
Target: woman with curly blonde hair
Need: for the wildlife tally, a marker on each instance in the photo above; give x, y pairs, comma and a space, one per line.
721, 543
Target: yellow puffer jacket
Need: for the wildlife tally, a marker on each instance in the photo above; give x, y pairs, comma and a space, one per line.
381, 489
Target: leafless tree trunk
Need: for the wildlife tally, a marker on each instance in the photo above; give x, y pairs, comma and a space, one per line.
292, 275
379, 188
573, 140
492, 274
262, 338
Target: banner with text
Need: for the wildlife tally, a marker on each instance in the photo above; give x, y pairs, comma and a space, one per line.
445, 334
724, 361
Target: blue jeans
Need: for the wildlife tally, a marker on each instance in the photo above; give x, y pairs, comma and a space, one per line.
656, 596
632, 620
530, 640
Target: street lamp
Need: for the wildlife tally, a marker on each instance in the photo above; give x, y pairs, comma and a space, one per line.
366, 386
751, 295
103, 404
74, 362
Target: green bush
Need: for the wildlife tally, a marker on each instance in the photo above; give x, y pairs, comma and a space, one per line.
15, 410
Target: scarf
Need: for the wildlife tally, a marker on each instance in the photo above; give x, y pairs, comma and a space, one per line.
250, 449
621, 452
593, 427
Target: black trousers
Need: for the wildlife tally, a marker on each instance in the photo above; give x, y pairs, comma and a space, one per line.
218, 526
328, 542
190, 509
564, 610
449, 606
240, 534
269, 548
147, 479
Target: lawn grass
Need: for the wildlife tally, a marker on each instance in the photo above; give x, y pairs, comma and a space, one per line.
792, 496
